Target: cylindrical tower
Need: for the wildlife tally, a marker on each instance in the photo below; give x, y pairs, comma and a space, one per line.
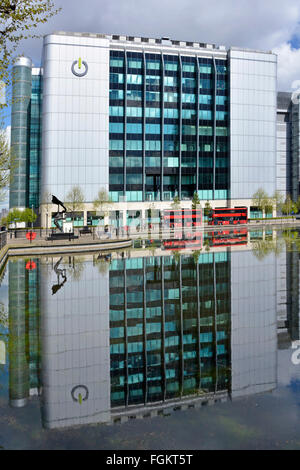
18, 336
20, 120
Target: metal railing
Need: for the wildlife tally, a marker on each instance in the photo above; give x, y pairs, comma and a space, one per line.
81, 233
3, 239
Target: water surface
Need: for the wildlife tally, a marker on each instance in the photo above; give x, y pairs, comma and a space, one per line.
176, 344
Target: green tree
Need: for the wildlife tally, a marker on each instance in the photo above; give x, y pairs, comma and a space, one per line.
262, 248
289, 206
196, 255
102, 201
298, 204
207, 208
28, 216
291, 239
14, 216
75, 200
262, 201
3, 316
177, 256
7, 163
17, 19
278, 199
195, 201
269, 205
103, 264
176, 203
206, 244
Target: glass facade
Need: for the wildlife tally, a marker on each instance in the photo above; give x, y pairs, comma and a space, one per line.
168, 127
172, 336
35, 141
26, 137
20, 134
295, 150
24, 340
149, 126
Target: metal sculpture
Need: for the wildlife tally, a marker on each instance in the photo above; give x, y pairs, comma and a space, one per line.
59, 273
59, 215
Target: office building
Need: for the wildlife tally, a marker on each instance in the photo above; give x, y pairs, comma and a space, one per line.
146, 120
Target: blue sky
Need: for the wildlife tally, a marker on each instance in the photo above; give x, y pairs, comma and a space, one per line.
295, 41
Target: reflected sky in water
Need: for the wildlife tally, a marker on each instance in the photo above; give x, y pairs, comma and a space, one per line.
176, 344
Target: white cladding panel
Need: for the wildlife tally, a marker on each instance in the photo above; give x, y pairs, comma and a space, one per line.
75, 116
252, 123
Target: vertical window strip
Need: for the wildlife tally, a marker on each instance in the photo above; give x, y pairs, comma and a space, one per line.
162, 127
197, 122
125, 119
144, 125
214, 126
180, 123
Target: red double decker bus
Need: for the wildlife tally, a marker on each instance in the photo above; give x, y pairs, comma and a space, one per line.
179, 218
191, 240
229, 237
228, 216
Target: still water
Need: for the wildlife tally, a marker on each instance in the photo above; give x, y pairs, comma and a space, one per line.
154, 348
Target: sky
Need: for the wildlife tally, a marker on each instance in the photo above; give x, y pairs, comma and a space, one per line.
264, 25
255, 24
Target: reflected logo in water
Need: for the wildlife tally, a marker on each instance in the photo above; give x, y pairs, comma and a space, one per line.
296, 354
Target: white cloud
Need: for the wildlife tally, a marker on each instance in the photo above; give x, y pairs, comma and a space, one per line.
288, 69
255, 24
265, 25
8, 132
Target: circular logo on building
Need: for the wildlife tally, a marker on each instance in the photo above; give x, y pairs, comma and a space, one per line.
79, 68
80, 393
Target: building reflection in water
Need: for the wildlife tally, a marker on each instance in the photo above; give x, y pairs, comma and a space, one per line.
24, 357
169, 328
141, 335
75, 345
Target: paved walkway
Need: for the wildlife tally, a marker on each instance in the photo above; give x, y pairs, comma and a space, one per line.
82, 240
